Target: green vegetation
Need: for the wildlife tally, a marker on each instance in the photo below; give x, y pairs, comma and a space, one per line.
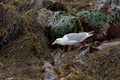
65, 24
96, 17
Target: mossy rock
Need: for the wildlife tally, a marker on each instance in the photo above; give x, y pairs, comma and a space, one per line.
94, 16
65, 25
118, 14
43, 16
115, 15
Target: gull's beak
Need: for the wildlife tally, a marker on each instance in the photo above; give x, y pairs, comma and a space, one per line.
53, 43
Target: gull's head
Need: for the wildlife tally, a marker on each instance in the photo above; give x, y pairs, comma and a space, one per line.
58, 41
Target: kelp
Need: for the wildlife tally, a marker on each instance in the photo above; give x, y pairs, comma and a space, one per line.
24, 5
27, 44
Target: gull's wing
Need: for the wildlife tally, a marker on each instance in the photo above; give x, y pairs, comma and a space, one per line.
76, 36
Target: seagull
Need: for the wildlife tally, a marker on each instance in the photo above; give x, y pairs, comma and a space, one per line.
73, 38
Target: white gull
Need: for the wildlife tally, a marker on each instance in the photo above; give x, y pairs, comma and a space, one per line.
73, 38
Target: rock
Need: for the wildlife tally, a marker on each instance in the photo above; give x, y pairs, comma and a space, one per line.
23, 58
94, 16
57, 6
113, 31
43, 16
96, 65
65, 25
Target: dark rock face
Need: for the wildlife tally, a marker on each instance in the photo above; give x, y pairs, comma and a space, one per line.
57, 6
113, 31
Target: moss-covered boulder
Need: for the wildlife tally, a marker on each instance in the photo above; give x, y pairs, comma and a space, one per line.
65, 25
43, 16
115, 15
93, 16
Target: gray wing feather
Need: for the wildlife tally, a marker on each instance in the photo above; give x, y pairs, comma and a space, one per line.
76, 36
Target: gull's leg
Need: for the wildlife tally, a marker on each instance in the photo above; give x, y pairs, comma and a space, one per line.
82, 43
69, 48
77, 46
64, 48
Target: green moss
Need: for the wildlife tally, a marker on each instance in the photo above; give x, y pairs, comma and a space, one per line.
64, 25
94, 16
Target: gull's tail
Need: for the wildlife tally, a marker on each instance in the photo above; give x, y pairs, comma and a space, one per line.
91, 33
